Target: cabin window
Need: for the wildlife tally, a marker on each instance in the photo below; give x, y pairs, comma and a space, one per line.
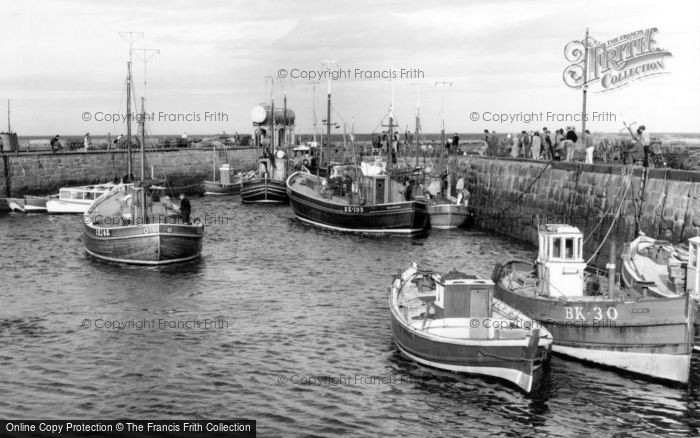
569, 248
77, 195
556, 248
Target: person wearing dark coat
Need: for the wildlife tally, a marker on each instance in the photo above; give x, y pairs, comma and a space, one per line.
185, 208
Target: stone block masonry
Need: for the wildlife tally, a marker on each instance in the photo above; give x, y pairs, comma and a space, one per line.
512, 196
45, 173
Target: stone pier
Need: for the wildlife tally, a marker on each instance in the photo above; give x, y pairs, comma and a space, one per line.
511, 196
41, 173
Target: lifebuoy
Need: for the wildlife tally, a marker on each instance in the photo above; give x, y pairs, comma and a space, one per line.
305, 162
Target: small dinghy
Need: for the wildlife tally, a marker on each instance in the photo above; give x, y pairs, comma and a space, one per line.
452, 322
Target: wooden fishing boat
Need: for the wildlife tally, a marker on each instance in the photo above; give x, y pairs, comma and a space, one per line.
447, 215
658, 268
355, 202
454, 323
362, 198
620, 327
268, 186
656, 265
136, 223
229, 184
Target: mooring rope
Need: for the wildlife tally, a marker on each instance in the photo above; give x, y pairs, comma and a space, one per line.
619, 208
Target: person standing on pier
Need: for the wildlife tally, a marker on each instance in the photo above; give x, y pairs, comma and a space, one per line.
87, 141
185, 208
588, 141
645, 139
571, 139
536, 145
635, 151
55, 144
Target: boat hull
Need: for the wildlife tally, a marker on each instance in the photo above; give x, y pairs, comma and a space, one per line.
448, 216
34, 203
485, 358
214, 188
396, 218
150, 244
59, 206
651, 337
264, 191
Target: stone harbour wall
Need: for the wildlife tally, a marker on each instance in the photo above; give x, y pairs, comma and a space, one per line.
45, 173
607, 202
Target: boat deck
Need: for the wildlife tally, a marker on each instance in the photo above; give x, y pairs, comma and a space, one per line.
648, 270
308, 185
525, 284
416, 301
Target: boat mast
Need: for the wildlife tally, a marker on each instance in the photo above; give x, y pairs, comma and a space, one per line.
9, 130
143, 137
390, 139
128, 120
213, 165
442, 128
285, 142
272, 120
328, 128
131, 38
417, 145
313, 94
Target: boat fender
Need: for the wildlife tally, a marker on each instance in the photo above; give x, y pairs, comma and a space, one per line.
496, 274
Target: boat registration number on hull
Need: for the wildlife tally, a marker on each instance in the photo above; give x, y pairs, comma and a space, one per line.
351, 209
102, 233
579, 313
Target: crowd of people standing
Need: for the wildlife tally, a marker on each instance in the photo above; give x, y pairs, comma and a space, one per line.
559, 145
563, 145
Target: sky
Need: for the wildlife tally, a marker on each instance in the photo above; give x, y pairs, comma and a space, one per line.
64, 62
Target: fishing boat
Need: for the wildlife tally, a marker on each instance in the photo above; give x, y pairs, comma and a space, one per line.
364, 198
76, 199
662, 269
268, 185
136, 223
621, 327
453, 322
447, 215
446, 212
229, 182
656, 265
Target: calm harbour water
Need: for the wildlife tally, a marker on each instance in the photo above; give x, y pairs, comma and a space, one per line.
301, 338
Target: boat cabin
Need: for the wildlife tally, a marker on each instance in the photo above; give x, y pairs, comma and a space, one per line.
693, 268
87, 193
459, 295
560, 261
